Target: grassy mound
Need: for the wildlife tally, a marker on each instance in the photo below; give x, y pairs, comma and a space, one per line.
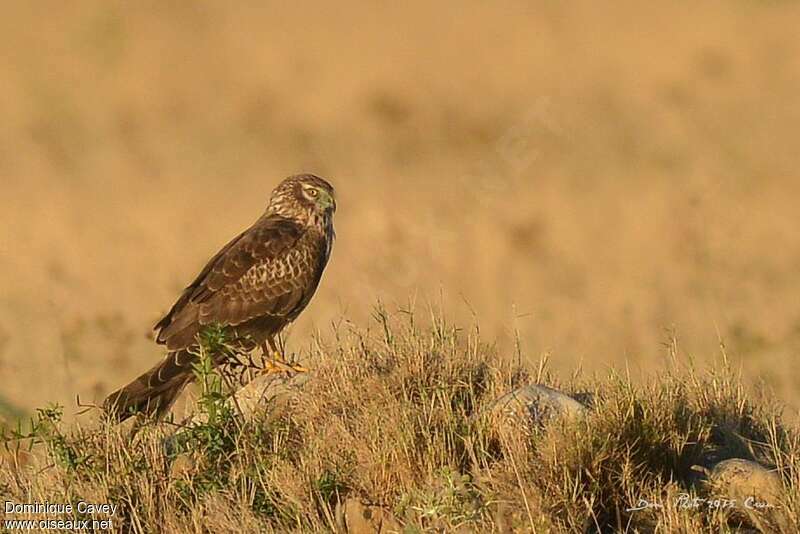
395, 417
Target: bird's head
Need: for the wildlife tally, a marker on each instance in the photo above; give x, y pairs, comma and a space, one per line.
304, 197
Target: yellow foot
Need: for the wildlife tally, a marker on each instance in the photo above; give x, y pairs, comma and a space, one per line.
297, 368
278, 364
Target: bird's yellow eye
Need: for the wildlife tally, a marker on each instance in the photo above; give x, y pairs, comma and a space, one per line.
313, 192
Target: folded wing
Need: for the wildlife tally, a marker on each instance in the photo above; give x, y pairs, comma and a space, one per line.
271, 269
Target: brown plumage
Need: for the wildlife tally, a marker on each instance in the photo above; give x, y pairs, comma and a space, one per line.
253, 288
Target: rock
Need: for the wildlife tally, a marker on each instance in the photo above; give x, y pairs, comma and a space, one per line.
754, 490
360, 518
536, 404
275, 390
741, 479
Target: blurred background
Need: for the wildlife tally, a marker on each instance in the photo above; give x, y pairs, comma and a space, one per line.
591, 175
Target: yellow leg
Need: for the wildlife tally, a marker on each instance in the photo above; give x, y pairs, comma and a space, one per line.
278, 364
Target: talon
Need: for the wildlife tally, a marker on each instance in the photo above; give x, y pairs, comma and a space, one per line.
294, 366
297, 368
274, 366
278, 357
278, 364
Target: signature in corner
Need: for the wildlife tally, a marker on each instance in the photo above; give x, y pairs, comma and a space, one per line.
684, 501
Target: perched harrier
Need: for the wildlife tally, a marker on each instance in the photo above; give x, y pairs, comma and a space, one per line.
251, 289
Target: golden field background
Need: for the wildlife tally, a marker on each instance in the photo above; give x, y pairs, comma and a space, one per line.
590, 175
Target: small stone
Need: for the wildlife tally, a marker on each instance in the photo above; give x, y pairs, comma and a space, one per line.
741, 479
536, 404
755, 492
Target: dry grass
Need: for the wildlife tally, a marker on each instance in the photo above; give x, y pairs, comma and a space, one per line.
581, 179
395, 415
589, 175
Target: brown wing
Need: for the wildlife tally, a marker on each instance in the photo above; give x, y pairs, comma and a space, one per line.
271, 269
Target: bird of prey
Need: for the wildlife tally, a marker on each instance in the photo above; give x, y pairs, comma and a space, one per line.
251, 290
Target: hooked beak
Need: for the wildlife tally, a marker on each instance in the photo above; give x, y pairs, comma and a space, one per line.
327, 202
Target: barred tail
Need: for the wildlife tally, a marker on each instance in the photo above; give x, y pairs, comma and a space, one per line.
154, 392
